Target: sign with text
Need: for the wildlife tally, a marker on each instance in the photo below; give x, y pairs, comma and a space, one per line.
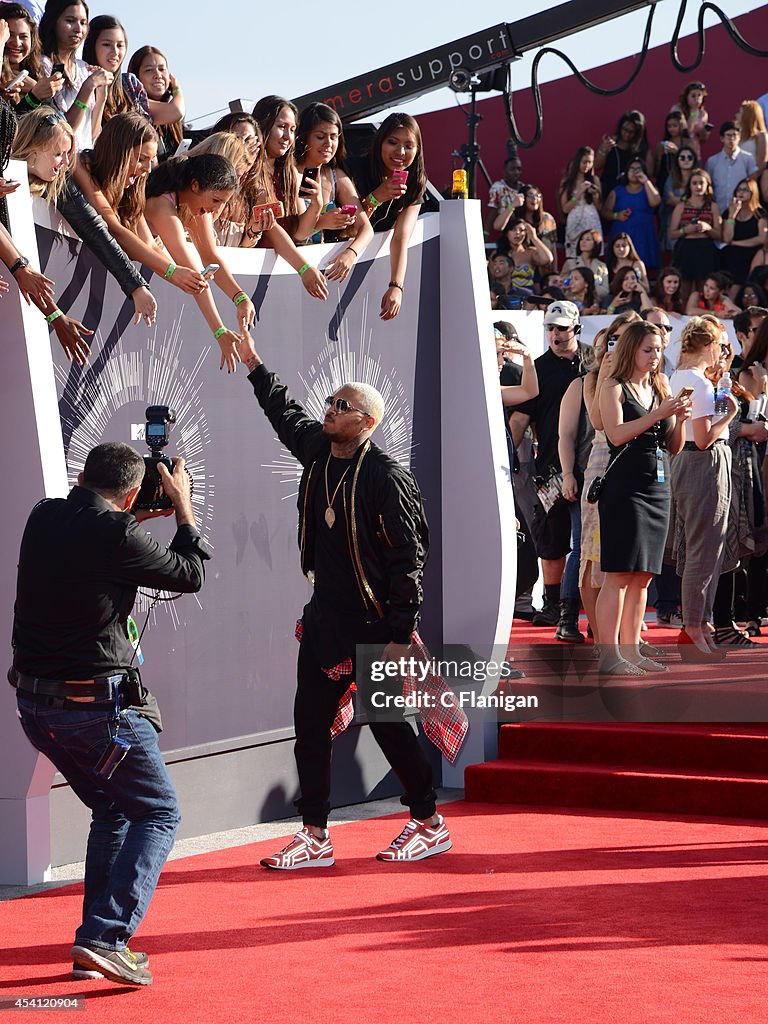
392, 85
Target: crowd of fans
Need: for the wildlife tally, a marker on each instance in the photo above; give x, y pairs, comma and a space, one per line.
641, 232
688, 211
106, 147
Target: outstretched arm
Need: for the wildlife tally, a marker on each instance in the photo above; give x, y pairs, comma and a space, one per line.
296, 430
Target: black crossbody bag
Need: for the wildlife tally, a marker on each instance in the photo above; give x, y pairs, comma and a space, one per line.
597, 484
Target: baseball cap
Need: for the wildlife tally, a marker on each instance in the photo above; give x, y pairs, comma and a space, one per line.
561, 314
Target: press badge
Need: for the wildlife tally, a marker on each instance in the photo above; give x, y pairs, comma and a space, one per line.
660, 466
133, 635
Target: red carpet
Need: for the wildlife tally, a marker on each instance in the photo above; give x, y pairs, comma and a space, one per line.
718, 770
536, 919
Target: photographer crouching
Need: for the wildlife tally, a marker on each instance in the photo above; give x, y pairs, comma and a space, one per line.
80, 701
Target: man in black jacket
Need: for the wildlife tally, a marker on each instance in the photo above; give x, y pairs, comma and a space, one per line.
82, 705
363, 537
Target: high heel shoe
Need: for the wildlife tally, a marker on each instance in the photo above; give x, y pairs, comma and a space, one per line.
693, 655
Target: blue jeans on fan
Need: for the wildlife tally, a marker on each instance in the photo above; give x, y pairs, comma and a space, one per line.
569, 590
135, 814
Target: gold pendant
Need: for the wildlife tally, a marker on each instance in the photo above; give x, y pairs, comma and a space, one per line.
330, 517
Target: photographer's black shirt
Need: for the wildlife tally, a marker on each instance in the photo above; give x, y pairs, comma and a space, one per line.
80, 565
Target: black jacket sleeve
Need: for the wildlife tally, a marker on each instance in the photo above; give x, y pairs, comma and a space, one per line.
300, 434
92, 228
141, 561
405, 543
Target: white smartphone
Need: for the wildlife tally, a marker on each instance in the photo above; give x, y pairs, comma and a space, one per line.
211, 269
183, 146
19, 78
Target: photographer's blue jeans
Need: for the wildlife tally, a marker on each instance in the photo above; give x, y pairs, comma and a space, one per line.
135, 814
569, 589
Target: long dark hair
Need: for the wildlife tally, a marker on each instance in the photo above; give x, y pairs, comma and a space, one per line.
758, 350
612, 259
568, 184
111, 157
8, 125
589, 278
15, 12
118, 100
670, 303
417, 174
53, 11
311, 117
209, 171
675, 172
175, 131
266, 112
639, 145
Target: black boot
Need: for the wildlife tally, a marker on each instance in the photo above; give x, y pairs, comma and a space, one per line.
568, 625
548, 616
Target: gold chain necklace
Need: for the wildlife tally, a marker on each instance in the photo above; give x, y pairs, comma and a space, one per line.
330, 515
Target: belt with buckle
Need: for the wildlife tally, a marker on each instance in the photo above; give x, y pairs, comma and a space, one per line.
60, 692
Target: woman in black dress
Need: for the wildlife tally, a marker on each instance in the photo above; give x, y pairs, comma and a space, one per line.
745, 227
642, 421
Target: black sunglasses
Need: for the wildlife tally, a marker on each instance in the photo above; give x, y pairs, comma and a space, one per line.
342, 405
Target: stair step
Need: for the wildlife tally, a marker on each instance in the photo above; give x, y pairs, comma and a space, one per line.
730, 749
614, 787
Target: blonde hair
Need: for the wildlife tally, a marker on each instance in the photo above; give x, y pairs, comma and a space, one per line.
224, 144
699, 332
371, 399
37, 130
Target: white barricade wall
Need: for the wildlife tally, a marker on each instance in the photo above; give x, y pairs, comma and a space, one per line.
222, 663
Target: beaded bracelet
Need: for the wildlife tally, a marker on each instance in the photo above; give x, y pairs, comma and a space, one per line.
79, 103
304, 269
373, 200
170, 270
53, 316
240, 297
217, 334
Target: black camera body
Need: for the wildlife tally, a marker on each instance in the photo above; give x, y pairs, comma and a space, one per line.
160, 419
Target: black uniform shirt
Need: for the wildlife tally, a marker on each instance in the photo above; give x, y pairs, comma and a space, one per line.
555, 377
80, 565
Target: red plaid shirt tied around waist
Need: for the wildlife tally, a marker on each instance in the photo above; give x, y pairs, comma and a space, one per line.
443, 720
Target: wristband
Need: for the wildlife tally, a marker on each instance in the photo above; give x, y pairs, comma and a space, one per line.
394, 284
731, 220
53, 316
240, 297
350, 249
615, 216
217, 334
170, 270
176, 91
302, 270
31, 102
79, 103
373, 200
611, 309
